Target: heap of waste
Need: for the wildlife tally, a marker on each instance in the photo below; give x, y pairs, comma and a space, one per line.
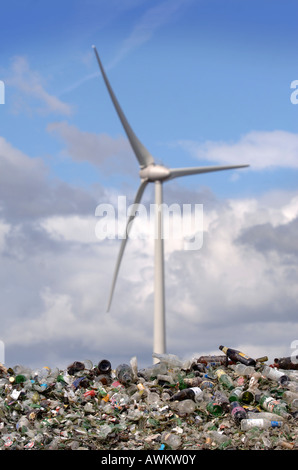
226, 401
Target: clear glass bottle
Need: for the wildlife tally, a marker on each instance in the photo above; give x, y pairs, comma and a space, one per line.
193, 381
261, 423
291, 398
207, 384
242, 369
186, 407
222, 399
264, 414
170, 439
218, 437
271, 373
124, 374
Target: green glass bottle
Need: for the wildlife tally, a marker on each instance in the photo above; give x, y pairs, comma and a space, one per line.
274, 406
214, 408
236, 394
19, 379
224, 379
247, 397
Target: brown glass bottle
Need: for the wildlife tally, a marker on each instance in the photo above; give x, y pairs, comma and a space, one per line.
238, 356
286, 363
187, 393
104, 366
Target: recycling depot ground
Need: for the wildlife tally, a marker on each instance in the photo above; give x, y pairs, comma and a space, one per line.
137, 419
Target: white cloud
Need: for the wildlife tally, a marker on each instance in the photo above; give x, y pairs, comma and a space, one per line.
86, 146
73, 228
259, 149
32, 94
4, 230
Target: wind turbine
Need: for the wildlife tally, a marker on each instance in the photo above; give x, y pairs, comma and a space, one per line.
150, 172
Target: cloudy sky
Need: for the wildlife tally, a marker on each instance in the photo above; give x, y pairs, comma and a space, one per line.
202, 82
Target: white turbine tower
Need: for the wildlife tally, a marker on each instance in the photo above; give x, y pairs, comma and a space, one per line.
150, 172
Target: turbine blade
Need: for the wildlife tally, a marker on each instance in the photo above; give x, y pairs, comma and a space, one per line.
176, 172
143, 155
130, 219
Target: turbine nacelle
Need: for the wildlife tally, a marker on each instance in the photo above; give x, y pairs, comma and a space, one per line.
154, 172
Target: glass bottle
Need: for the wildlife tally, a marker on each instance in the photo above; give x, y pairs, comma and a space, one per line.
286, 362
224, 379
247, 397
262, 359
214, 408
193, 381
236, 394
242, 369
238, 412
187, 393
260, 423
216, 360
293, 386
254, 380
238, 356
291, 398
264, 414
278, 407
20, 379
124, 374
170, 439
272, 374
218, 437
104, 366
222, 400
186, 407
153, 370
207, 384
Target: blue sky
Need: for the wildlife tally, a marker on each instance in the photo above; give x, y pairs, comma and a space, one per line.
202, 82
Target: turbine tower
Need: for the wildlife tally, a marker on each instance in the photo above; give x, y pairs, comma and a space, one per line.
150, 172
